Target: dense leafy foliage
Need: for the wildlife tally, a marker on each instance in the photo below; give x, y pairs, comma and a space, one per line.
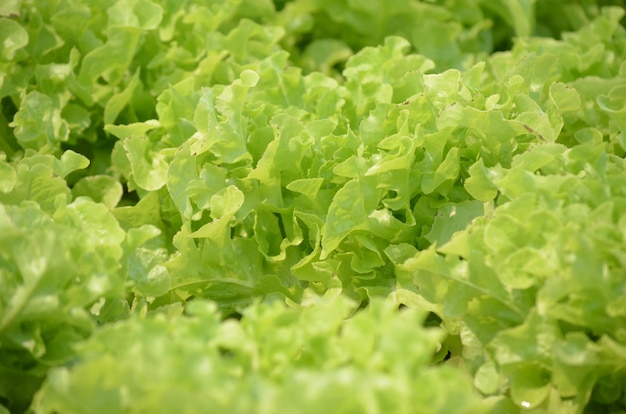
312, 206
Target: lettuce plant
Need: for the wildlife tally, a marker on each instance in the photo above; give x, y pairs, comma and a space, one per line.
308, 205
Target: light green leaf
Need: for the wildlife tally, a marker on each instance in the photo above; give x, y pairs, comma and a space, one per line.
14, 37
348, 212
309, 187
487, 379
565, 98
100, 188
442, 89
522, 269
181, 174
111, 60
69, 162
143, 14
146, 271
149, 168
8, 177
135, 129
39, 123
39, 184
503, 233
117, 102
452, 218
613, 104
480, 184
10, 8
226, 202
449, 169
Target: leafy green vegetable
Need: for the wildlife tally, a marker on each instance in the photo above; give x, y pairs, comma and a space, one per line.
224, 204
307, 359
